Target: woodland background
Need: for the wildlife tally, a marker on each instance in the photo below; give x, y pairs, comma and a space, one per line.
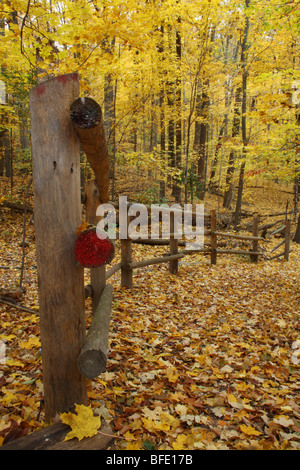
200, 103
197, 96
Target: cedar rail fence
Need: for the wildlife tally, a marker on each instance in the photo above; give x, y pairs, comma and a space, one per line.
127, 265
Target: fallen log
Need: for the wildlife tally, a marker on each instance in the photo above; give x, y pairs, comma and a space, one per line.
92, 359
17, 207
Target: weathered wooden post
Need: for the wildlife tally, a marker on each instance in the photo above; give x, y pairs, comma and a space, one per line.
253, 257
173, 244
213, 237
287, 237
126, 259
93, 356
57, 215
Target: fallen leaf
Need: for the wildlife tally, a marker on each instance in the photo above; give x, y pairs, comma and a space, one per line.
33, 342
232, 400
249, 430
283, 421
180, 442
83, 423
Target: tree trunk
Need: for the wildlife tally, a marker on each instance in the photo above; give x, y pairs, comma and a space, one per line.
201, 137
296, 238
7, 154
178, 126
160, 48
244, 49
110, 89
235, 132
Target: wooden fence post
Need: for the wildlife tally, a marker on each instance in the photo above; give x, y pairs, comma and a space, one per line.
254, 258
97, 275
57, 215
287, 240
93, 356
173, 244
213, 247
126, 259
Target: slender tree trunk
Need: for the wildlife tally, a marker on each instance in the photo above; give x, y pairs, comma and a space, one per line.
235, 132
160, 48
7, 154
201, 136
212, 184
171, 124
2, 135
170, 91
178, 126
110, 88
296, 238
244, 49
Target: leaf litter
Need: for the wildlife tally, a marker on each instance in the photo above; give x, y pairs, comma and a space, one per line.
206, 359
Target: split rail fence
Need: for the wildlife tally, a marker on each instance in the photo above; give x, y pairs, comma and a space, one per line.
127, 264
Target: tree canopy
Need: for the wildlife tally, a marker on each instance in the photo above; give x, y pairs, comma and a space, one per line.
193, 89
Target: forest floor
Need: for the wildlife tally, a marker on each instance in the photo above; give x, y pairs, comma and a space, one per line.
205, 359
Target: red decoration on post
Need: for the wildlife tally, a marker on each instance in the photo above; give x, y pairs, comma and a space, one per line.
91, 251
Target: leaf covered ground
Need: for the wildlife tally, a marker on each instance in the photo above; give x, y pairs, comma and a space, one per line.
206, 359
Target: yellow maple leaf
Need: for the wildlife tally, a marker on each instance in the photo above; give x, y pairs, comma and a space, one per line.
180, 442
9, 398
7, 337
249, 430
149, 424
83, 424
161, 426
33, 342
133, 446
172, 375
232, 400
14, 362
169, 420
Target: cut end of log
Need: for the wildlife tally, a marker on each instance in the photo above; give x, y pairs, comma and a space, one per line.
91, 251
92, 363
85, 113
